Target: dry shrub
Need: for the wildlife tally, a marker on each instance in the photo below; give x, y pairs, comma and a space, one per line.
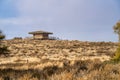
1, 78
108, 72
80, 70
62, 76
27, 76
117, 54
50, 70
94, 65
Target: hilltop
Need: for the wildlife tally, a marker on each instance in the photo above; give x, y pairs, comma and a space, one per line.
59, 49
58, 60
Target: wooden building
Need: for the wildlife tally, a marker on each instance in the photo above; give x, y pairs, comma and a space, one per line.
42, 35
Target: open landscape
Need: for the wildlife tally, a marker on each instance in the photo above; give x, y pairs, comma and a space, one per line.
58, 60
59, 40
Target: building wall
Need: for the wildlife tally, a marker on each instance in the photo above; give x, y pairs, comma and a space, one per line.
40, 36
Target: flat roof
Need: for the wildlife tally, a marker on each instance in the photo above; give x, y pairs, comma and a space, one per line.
40, 32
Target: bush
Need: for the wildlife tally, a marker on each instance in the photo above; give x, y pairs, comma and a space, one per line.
54, 38
3, 49
117, 54
17, 38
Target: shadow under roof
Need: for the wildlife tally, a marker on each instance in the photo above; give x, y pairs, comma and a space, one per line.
40, 32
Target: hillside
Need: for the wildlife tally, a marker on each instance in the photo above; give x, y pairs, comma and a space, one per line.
36, 50
55, 57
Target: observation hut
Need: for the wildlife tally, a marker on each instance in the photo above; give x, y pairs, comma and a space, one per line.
41, 35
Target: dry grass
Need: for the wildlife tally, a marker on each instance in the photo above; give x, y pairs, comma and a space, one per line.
59, 60
80, 70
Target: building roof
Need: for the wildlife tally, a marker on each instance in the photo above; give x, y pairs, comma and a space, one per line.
40, 32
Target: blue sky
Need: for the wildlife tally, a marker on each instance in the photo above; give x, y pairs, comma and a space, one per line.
85, 20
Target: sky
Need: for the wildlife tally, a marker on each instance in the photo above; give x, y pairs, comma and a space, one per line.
84, 20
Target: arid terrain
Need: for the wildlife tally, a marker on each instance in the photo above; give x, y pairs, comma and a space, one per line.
58, 60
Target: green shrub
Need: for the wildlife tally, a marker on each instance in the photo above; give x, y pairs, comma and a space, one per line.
117, 54
3, 49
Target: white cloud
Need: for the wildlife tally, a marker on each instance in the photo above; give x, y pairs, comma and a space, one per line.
65, 11
65, 16
20, 21
61, 12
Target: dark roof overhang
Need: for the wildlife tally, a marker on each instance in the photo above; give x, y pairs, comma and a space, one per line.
40, 32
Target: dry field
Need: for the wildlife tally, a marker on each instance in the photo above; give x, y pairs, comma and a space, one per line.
58, 60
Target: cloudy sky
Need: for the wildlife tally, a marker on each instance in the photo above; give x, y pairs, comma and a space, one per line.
85, 20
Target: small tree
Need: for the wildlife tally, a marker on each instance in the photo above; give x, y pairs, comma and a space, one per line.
117, 29
3, 49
